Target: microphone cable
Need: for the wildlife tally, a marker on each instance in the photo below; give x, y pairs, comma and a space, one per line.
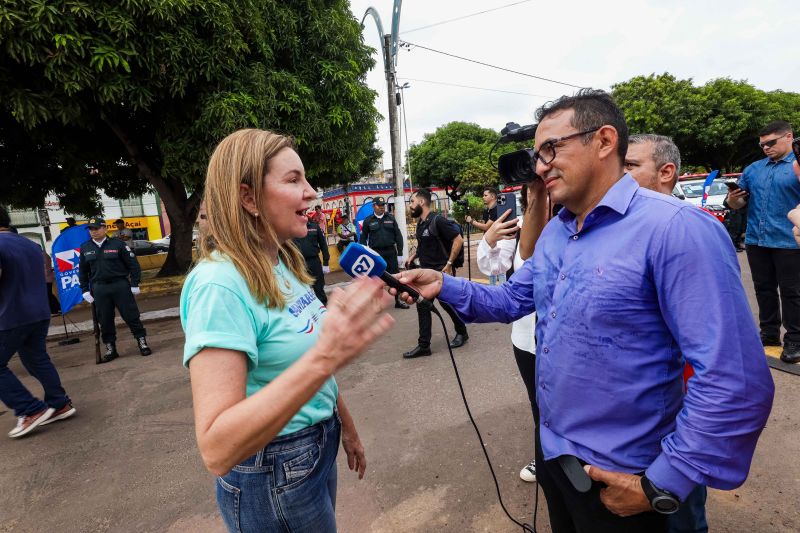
525, 527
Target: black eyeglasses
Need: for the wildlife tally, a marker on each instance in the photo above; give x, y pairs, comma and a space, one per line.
796, 148
547, 152
771, 142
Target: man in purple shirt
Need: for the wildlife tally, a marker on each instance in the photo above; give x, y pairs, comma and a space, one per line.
628, 284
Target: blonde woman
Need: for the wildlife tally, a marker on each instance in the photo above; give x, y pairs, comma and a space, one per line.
261, 348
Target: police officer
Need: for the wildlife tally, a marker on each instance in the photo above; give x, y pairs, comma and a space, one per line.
111, 268
381, 233
310, 246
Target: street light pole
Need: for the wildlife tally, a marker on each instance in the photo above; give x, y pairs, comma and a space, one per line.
389, 45
405, 130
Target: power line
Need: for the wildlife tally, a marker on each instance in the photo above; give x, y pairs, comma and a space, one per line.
490, 65
464, 17
477, 88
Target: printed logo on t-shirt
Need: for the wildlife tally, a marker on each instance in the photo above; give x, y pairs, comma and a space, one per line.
301, 303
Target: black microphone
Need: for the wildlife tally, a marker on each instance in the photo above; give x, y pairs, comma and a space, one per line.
359, 260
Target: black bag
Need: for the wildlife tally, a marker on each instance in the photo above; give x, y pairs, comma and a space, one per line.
445, 244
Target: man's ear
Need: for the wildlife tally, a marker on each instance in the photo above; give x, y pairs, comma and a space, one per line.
608, 138
666, 173
247, 199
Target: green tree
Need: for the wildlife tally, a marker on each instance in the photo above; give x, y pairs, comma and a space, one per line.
715, 125
133, 95
456, 154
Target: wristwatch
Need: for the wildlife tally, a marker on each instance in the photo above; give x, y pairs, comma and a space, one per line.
661, 500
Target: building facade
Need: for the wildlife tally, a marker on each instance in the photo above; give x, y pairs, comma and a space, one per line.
142, 215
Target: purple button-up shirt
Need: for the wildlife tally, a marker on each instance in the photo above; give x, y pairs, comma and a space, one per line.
648, 283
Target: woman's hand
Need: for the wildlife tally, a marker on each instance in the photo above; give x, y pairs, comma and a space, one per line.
355, 320
501, 230
356, 460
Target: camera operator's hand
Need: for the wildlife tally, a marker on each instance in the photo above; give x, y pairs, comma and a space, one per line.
501, 230
468, 219
427, 281
537, 194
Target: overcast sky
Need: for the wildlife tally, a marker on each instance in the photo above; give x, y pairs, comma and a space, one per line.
585, 43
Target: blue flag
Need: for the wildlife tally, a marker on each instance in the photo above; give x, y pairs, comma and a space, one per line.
66, 259
707, 185
363, 212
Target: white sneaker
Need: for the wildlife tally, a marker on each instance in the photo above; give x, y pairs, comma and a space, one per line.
528, 473
26, 424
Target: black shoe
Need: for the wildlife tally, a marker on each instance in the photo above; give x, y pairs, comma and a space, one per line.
418, 351
791, 353
400, 305
144, 349
111, 353
459, 340
770, 341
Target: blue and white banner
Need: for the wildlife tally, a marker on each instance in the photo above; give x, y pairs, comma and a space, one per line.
707, 186
363, 212
66, 259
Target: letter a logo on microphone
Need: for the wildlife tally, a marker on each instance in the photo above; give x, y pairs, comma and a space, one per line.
363, 265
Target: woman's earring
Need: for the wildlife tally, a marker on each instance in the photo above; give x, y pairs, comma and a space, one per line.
255, 214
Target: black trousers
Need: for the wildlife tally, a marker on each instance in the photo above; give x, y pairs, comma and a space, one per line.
575, 512
774, 269
526, 362
314, 267
424, 316
390, 256
117, 294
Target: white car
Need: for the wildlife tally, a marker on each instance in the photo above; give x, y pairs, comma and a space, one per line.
692, 191
165, 240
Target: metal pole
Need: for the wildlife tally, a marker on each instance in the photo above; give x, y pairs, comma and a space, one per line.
405, 130
394, 137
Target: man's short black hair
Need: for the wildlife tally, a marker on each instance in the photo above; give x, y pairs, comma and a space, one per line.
593, 108
425, 194
119, 220
493, 191
5, 218
776, 126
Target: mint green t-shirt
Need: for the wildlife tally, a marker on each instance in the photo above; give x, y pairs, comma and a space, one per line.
218, 311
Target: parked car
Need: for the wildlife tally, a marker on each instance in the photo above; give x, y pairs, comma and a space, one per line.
691, 188
140, 247
165, 240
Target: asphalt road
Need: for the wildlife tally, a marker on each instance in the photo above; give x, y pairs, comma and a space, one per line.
128, 460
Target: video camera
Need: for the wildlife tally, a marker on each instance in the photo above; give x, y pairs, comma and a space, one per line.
517, 167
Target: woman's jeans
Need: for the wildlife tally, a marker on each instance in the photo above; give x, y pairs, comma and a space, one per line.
289, 486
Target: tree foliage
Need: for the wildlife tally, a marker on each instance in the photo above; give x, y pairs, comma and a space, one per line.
715, 125
127, 95
456, 154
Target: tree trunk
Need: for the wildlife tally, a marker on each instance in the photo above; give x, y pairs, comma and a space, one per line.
181, 208
179, 258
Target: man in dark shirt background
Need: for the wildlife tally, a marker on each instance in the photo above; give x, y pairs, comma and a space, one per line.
432, 254
381, 232
310, 246
24, 322
490, 211
114, 273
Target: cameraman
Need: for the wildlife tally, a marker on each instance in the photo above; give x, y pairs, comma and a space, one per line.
617, 319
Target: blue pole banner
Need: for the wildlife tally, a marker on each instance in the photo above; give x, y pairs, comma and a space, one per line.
365, 211
66, 259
